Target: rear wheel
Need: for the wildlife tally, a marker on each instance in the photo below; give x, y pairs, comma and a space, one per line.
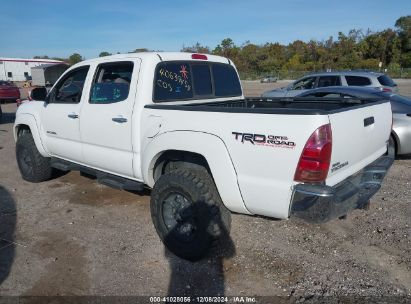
187, 213
392, 148
32, 165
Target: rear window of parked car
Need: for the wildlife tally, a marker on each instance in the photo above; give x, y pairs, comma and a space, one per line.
186, 80
357, 81
386, 81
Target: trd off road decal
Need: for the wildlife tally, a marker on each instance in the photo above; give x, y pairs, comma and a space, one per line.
265, 140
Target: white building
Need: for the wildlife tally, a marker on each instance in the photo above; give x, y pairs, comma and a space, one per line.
18, 69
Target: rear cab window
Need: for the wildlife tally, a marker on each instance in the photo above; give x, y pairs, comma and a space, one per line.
357, 81
190, 80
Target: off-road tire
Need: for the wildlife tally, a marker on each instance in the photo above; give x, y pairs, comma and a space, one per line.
211, 218
32, 165
392, 147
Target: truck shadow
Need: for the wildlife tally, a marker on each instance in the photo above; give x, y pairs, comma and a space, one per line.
7, 118
8, 215
204, 277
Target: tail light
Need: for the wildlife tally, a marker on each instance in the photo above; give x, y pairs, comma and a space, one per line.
316, 156
386, 90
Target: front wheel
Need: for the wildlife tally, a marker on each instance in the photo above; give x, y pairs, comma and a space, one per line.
32, 165
187, 213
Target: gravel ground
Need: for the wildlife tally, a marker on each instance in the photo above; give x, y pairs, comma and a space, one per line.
72, 236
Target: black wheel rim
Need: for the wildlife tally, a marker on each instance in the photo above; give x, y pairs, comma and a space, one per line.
179, 217
26, 163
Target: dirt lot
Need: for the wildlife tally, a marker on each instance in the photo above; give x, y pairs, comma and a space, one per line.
72, 236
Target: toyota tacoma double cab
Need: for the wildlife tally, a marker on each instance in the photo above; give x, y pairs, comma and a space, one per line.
179, 123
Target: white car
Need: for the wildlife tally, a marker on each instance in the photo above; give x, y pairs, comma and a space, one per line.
179, 124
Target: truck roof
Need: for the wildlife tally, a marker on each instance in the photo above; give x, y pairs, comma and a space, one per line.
162, 56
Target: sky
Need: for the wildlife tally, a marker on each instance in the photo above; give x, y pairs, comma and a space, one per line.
59, 28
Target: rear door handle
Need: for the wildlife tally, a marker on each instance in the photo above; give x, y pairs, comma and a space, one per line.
368, 121
119, 119
72, 115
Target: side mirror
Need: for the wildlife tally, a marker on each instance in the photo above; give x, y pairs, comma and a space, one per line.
39, 94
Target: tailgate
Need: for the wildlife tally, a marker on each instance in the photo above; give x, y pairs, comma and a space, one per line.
359, 137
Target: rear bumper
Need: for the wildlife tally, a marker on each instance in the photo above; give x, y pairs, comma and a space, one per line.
321, 203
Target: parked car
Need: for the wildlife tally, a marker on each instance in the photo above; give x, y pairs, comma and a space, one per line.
268, 79
8, 91
400, 140
179, 123
344, 78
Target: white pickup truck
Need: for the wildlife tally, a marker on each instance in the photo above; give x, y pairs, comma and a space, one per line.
178, 123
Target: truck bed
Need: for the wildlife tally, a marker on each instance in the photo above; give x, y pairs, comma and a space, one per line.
296, 106
265, 171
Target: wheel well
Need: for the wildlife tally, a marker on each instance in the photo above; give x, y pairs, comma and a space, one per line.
175, 159
22, 129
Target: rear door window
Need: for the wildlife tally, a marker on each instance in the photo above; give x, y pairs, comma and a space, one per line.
327, 81
357, 80
111, 82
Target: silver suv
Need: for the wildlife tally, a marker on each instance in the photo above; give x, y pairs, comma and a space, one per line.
326, 79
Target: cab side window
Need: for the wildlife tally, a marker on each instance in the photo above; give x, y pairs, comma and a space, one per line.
70, 88
327, 81
357, 81
304, 84
111, 82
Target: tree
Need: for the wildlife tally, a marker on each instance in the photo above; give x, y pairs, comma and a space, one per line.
197, 48
228, 49
140, 50
103, 54
61, 59
41, 57
75, 58
403, 26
